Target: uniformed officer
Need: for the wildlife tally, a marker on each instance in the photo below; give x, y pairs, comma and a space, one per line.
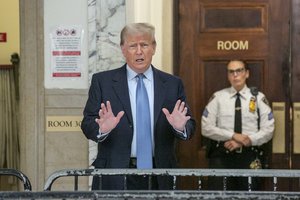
237, 120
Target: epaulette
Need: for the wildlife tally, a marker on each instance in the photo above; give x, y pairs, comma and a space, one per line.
211, 98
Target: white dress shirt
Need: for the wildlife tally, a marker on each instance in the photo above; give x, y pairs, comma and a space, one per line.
132, 84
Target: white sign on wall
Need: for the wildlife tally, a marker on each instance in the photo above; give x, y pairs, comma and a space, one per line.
66, 52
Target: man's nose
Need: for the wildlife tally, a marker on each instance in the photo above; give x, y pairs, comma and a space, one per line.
139, 49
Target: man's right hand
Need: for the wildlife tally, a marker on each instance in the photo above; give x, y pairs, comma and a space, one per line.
107, 120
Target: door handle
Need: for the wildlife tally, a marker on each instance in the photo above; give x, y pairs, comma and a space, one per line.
296, 127
278, 142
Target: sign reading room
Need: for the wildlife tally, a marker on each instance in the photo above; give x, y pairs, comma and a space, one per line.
63, 123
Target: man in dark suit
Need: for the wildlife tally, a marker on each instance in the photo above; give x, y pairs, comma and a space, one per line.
111, 114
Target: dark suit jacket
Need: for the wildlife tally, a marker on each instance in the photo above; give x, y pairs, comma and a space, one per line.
115, 150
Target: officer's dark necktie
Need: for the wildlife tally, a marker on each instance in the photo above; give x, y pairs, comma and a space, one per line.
238, 115
143, 127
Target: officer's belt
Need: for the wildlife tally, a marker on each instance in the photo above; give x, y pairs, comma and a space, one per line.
220, 145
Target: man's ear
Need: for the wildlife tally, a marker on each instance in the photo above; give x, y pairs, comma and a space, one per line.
123, 50
154, 49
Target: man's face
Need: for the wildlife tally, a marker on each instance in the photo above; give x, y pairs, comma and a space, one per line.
138, 51
237, 74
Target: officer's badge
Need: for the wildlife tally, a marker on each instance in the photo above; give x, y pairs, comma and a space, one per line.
264, 99
252, 105
255, 164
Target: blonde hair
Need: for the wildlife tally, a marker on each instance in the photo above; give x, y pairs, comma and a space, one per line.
137, 28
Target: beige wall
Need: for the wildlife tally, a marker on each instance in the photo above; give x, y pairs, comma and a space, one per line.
42, 151
160, 14
9, 24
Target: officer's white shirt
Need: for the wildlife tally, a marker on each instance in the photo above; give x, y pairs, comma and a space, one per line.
218, 117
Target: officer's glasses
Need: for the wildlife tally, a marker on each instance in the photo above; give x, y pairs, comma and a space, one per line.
236, 71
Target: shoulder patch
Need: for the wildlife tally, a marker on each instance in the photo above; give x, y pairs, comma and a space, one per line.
270, 116
211, 98
205, 113
264, 99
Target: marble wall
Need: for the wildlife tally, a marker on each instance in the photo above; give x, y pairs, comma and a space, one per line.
106, 18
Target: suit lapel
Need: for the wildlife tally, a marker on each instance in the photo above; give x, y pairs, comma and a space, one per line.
159, 93
120, 86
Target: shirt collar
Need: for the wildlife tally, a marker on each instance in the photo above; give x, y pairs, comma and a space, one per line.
132, 74
242, 91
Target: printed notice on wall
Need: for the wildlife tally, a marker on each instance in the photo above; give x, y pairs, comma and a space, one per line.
66, 52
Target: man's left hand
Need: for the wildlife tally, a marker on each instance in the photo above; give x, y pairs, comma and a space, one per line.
178, 117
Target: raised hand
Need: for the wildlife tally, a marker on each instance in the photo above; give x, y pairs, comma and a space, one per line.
108, 120
178, 116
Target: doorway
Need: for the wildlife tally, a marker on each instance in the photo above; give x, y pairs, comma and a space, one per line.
264, 34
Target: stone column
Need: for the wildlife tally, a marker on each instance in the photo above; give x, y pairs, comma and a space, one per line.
32, 91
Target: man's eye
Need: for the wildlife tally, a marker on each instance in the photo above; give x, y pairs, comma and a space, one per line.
144, 45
